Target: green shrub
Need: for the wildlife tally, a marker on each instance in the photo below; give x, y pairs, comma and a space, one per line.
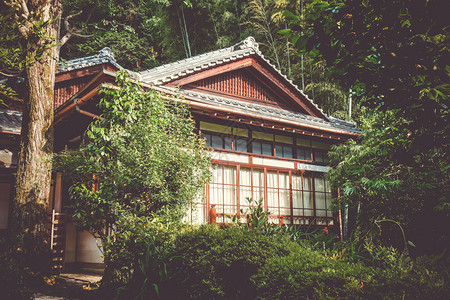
137, 247
306, 274
213, 263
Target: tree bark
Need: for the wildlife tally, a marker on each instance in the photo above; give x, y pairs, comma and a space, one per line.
30, 223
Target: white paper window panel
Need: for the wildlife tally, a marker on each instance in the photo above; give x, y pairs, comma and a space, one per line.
217, 175
283, 180
320, 201
258, 193
285, 200
308, 201
321, 212
319, 184
308, 212
285, 211
297, 201
296, 182
272, 197
297, 211
258, 178
230, 209
229, 175
272, 179
245, 192
245, 177
307, 183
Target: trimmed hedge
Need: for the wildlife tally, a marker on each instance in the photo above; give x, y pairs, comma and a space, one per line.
214, 263
237, 262
306, 274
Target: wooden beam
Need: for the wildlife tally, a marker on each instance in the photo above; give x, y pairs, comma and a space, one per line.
235, 65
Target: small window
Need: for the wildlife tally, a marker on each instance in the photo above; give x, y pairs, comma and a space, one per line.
216, 142
267, 149
304, 154
320, 156
283, 151
227, 141
241, 145
208, 139
262, 148
256, 147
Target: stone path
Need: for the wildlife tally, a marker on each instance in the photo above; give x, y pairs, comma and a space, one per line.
70, 286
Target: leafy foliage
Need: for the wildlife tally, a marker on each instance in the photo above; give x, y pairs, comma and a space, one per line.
140, 167
394, 55
141, 158
135, 256
306, 274
381, 180
210, 262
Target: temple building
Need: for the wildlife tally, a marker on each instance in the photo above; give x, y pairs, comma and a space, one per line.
268, 139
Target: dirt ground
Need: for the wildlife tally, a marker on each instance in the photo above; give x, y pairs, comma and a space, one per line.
70, 286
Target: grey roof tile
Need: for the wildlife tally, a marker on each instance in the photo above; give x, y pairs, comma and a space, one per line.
104, 56
10, 120
265, 111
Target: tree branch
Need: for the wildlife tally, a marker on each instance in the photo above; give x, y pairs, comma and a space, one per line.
10, 74
71, 31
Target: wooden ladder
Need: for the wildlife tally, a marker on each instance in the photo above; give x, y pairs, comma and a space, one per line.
57, 240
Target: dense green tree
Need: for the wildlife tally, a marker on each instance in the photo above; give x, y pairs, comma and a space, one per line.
395, 53
141, 160
395, 56
395, 202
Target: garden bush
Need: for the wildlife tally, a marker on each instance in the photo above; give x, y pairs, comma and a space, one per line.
241, 262
134, 256
217, 263
306, 274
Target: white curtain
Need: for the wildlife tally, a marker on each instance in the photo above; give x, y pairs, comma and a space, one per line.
222, 191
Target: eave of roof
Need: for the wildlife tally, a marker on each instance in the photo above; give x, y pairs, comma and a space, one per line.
266, 112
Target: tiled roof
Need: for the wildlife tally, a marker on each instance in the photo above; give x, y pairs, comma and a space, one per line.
104, 56
245, 48
10, 120
171, 71
258, 110
168, 72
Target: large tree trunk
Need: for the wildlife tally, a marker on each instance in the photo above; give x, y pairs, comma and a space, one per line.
30, 222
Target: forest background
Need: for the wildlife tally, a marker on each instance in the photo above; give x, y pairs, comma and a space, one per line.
146, 34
